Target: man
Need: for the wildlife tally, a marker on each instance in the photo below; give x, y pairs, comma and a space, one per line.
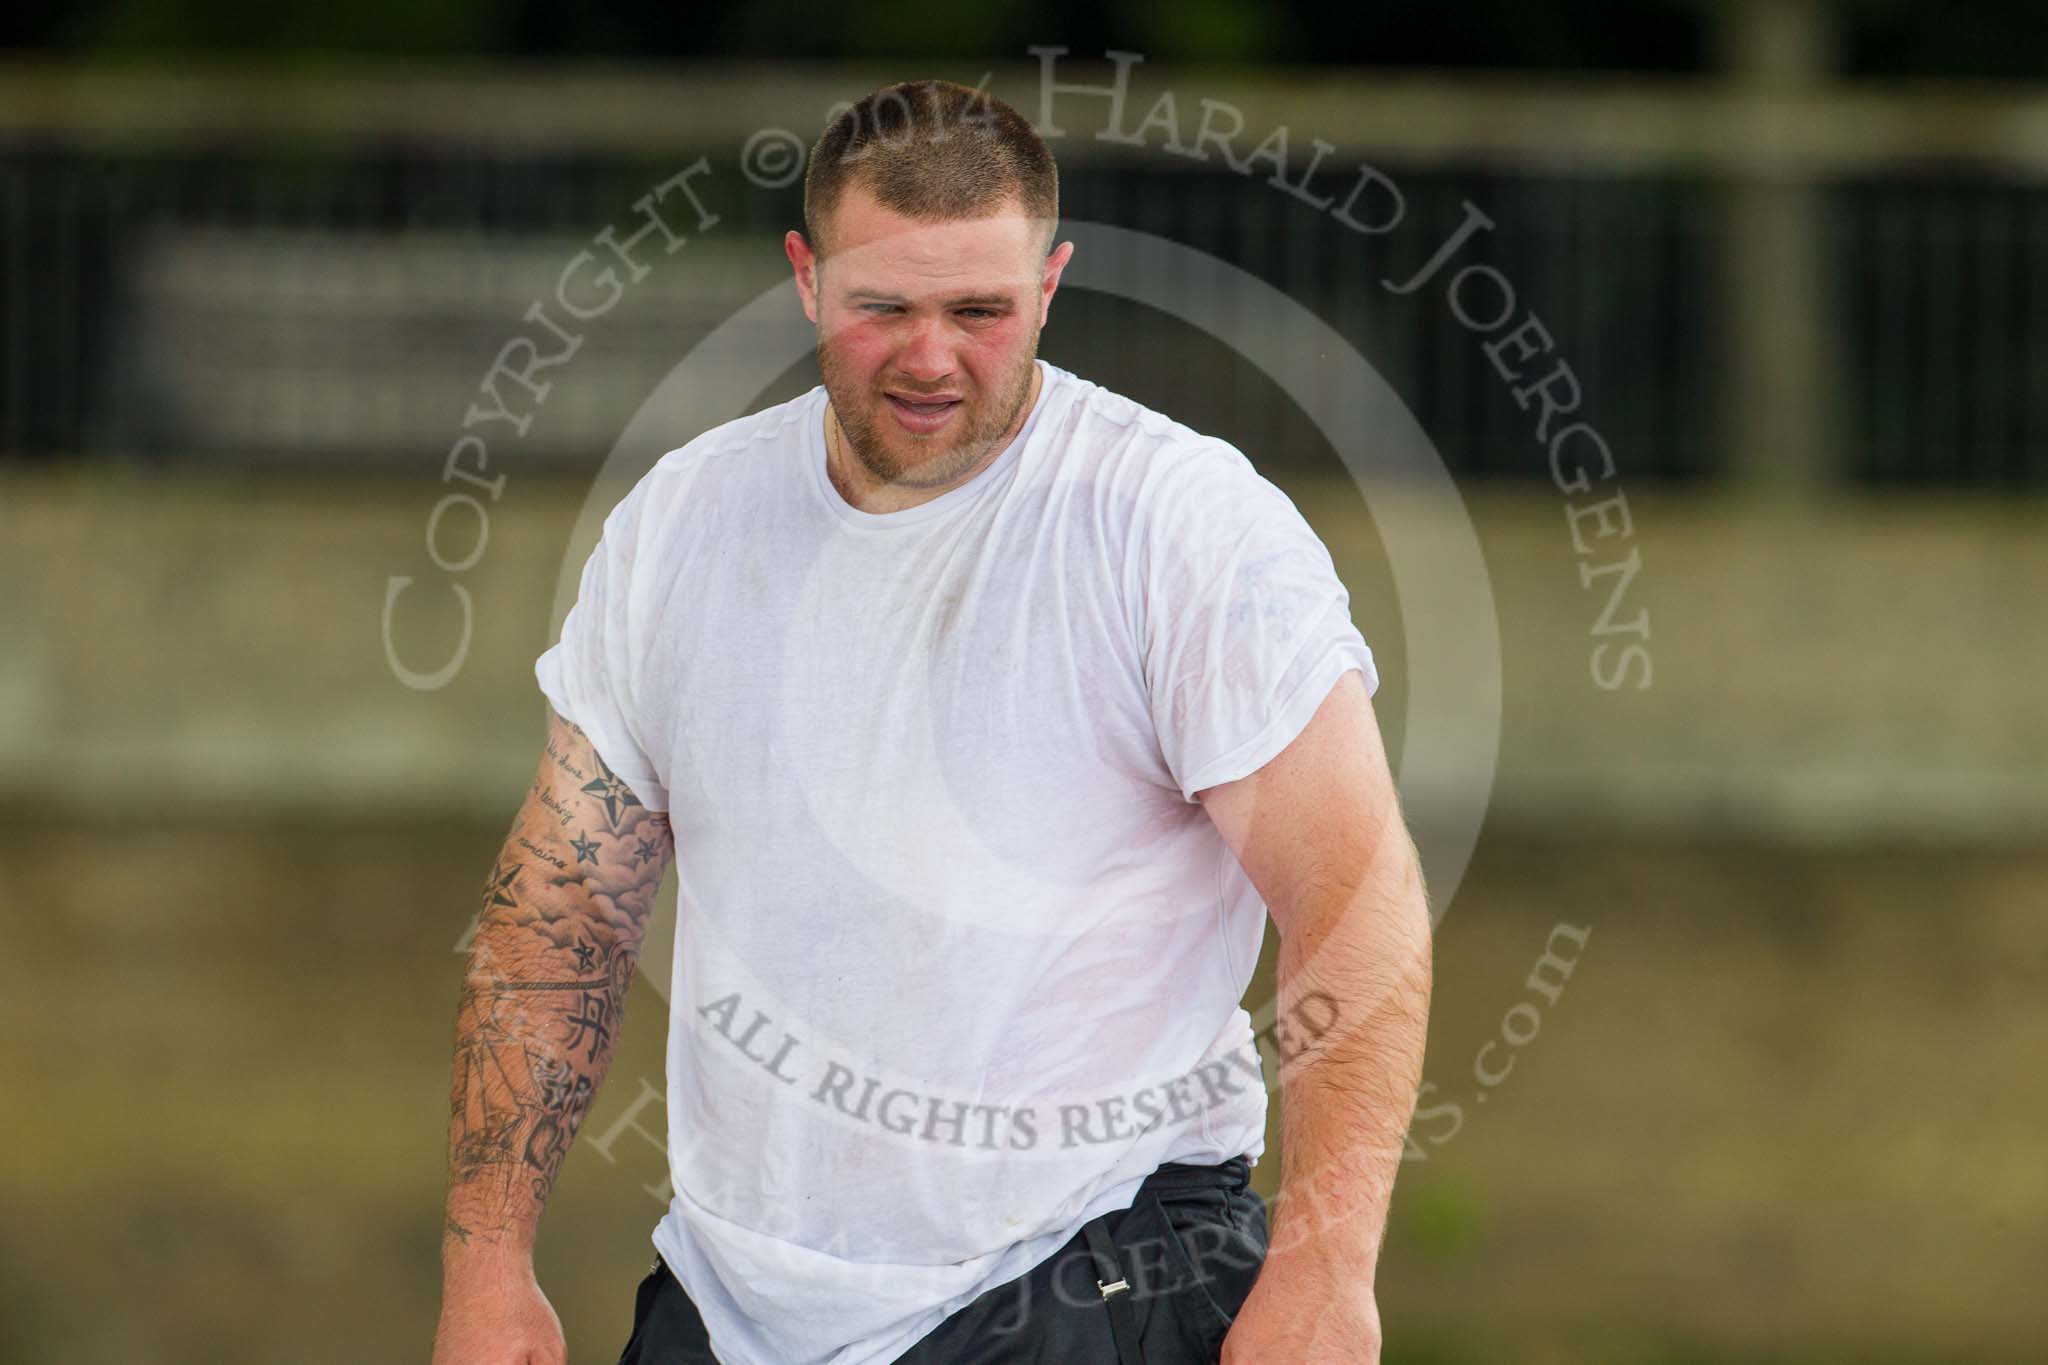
986, 714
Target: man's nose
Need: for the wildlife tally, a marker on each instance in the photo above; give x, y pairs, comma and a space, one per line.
926, 354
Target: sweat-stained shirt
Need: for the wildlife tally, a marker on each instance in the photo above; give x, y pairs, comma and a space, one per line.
959, 954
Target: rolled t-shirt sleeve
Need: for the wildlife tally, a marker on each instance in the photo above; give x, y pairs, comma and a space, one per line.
1246, 624
588, 674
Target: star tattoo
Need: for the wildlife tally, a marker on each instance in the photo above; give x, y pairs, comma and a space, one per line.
586, 848
607, 788
499, 888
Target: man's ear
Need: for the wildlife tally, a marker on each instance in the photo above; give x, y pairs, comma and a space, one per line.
805, 262
1054, 265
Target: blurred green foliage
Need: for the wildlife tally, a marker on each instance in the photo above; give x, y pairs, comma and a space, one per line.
1983, 38
1439, 1220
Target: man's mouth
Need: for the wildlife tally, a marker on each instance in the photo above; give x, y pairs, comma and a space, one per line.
922, 414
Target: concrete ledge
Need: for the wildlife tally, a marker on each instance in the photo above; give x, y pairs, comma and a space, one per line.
1858, 670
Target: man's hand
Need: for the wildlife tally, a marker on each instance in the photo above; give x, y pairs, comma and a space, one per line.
1308, 1308
498, 1317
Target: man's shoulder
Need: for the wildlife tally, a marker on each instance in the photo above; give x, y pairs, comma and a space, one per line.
704, 466
779, 425
1179, 487
1105, 413
1156, 449
653, 503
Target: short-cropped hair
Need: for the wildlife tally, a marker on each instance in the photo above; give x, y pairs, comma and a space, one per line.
934, 151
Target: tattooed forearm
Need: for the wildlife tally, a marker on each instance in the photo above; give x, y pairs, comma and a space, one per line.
564, 912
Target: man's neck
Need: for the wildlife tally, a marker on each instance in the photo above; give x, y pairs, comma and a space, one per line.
867, 493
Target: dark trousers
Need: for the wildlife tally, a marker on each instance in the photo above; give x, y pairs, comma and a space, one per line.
1189, 1248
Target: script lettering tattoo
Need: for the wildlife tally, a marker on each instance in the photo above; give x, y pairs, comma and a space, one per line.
565, 910
556, 806
551, 859
579, 771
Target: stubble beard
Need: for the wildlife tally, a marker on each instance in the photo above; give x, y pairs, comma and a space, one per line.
858, 409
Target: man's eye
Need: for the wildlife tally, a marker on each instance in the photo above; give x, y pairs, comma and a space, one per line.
978, 312
878, 308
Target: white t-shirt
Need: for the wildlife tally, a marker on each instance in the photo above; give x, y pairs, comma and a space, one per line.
959, 954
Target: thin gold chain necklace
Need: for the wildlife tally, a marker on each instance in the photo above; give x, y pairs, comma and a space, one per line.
831, 450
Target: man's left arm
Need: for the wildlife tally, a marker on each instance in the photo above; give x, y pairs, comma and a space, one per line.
1318, 829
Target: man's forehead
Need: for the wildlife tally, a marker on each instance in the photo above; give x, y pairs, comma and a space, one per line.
1000, 237
948, 270
892, 251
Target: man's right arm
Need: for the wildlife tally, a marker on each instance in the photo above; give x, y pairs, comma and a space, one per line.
556, 946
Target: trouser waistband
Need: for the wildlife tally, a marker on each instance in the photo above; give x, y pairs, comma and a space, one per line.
1235, 1173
